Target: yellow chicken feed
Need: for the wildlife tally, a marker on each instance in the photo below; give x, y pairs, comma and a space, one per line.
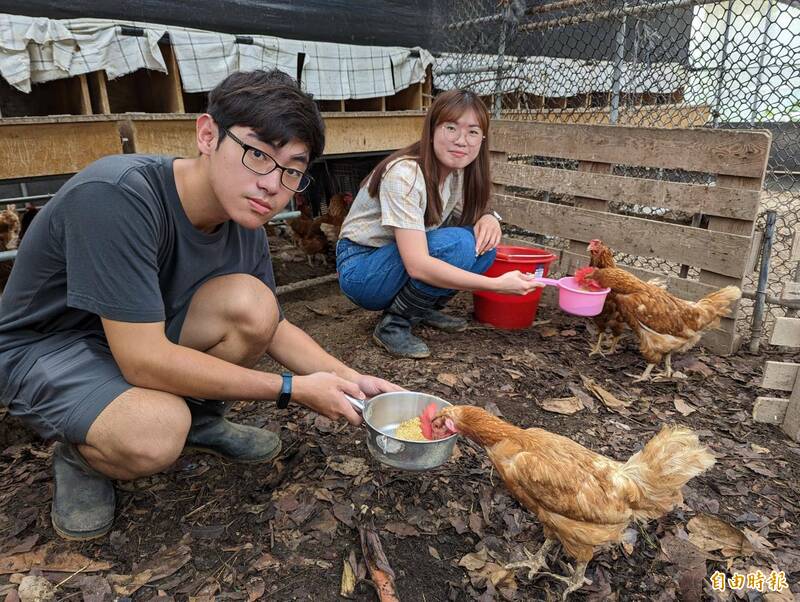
410, 430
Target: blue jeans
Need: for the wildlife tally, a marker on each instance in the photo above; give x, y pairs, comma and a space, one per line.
372, 276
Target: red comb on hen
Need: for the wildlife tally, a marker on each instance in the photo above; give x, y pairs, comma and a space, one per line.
426, 418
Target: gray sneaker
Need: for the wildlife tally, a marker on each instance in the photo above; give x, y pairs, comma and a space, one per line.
234, 442
83, 499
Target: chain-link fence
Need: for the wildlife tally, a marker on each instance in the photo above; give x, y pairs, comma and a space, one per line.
674, 63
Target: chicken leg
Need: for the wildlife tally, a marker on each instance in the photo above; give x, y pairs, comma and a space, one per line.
535, 561
614, 342
575, 582
597, 349
644, 375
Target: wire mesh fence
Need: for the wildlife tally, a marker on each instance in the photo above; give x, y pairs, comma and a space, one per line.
670, 64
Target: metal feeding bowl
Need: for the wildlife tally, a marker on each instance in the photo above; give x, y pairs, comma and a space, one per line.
384, 413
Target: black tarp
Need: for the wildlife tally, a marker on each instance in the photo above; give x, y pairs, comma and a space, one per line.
378, 23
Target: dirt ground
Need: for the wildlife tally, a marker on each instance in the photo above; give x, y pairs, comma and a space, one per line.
210, 530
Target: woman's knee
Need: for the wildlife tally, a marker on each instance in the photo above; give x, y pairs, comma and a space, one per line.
454, 245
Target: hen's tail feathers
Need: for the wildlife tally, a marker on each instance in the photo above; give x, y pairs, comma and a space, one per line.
718, 303
330, 232
667, 463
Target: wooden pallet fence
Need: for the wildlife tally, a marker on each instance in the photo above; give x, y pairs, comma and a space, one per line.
734, 160
782, 376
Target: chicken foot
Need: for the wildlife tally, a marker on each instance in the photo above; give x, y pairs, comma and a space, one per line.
575, 582
614, 342
535, 561
597, 349
644, 375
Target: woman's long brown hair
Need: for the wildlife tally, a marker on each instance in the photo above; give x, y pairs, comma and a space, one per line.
448, 106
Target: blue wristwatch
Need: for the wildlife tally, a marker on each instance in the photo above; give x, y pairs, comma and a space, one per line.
286, 390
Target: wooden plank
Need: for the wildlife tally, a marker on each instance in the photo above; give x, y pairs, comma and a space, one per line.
791, 420
786, 332
81, 91
345, 132
770, 410
691, 198
98, 92
427, 87
174, 137
729, 152
795, 253
780, 376
755, 248
171, 84
790, 292
717, 251
54, 148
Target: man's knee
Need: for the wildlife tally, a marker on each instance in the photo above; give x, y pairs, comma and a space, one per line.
252, 313
142, 432
238, 310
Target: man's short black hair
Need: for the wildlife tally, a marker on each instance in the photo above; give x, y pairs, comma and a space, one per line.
272, 104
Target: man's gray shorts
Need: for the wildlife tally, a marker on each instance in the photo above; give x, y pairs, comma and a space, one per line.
66, 390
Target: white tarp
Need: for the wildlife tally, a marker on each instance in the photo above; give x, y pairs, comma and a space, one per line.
37, 49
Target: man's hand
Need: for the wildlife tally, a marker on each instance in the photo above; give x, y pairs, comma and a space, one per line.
487, 234
324, 392
372, 385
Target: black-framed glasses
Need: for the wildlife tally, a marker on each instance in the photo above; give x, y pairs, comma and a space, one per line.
262, 163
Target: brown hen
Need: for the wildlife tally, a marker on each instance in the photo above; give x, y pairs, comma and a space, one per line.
662, 322
582, 499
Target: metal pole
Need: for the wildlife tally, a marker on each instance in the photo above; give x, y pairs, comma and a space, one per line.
721, 71
501, 51
619, 59
554, 6
762, 60
763, 276
642, 9
478, 21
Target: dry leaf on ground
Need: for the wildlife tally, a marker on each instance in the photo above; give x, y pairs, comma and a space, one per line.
562, 405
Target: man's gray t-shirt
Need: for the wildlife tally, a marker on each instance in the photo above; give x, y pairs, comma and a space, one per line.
115, 243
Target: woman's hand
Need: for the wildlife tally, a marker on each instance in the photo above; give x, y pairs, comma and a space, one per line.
487, 234
515, 283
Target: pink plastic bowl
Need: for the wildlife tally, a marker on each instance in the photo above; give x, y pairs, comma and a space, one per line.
575, 300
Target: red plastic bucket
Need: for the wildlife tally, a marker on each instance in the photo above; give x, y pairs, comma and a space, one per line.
511, 312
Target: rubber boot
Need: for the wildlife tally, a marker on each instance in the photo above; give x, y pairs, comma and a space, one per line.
83, 499
442, 321
393, 331
212, 433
